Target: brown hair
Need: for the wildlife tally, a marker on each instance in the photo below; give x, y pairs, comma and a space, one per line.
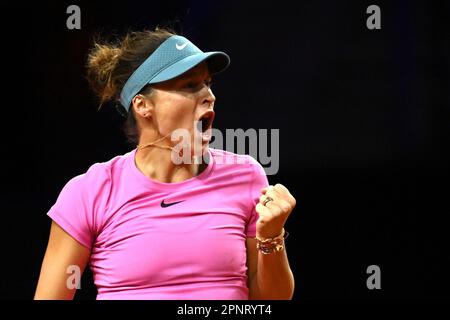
110, 64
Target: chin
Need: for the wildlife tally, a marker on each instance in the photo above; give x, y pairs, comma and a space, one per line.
202, 151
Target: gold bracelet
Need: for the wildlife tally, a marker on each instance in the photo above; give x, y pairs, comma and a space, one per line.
270, 245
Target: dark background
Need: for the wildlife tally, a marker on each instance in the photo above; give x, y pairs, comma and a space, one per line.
363, 118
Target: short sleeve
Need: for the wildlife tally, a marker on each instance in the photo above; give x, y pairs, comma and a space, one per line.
76, 207
259, 181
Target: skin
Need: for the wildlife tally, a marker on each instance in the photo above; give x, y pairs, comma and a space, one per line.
62, 251
158, 115
270, 276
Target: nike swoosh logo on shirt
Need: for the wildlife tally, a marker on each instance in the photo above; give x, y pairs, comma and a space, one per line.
165, 205
180, 47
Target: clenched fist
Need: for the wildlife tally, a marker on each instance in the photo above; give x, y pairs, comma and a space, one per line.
274, 207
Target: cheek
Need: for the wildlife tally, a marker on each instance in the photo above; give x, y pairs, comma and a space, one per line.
176, 114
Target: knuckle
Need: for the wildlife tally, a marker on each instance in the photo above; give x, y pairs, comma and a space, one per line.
271, 216
277, 211
291, 200
294, 202
285, 206
275, 214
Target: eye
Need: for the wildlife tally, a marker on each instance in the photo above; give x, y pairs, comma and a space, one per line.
208, 82
197, 85
191, 85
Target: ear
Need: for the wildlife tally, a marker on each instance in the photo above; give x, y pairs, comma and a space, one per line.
142, 105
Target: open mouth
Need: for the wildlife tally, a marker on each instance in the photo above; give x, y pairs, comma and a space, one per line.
206, 120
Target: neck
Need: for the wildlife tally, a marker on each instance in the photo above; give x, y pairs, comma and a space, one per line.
155, 162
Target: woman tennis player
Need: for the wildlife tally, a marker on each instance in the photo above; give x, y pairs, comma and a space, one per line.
154, 228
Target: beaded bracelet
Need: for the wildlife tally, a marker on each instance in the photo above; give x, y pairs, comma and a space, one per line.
270, 245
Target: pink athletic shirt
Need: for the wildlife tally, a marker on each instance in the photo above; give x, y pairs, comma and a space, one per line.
154, 240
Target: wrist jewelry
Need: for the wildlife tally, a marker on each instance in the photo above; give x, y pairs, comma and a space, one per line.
270, 245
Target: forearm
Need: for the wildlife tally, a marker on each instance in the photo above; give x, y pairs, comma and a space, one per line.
273, 279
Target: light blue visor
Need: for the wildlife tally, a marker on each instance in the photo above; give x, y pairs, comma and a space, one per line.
172, 58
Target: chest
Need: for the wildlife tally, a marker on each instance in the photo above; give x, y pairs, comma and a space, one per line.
171, 238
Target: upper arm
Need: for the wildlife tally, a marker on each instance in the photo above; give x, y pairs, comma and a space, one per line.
62, 251
252, 264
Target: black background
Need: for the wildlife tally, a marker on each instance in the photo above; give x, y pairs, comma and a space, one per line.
363, 118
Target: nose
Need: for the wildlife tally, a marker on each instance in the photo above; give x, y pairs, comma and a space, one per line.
208, 96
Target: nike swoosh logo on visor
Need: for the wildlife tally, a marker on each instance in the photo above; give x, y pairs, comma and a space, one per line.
180, 47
